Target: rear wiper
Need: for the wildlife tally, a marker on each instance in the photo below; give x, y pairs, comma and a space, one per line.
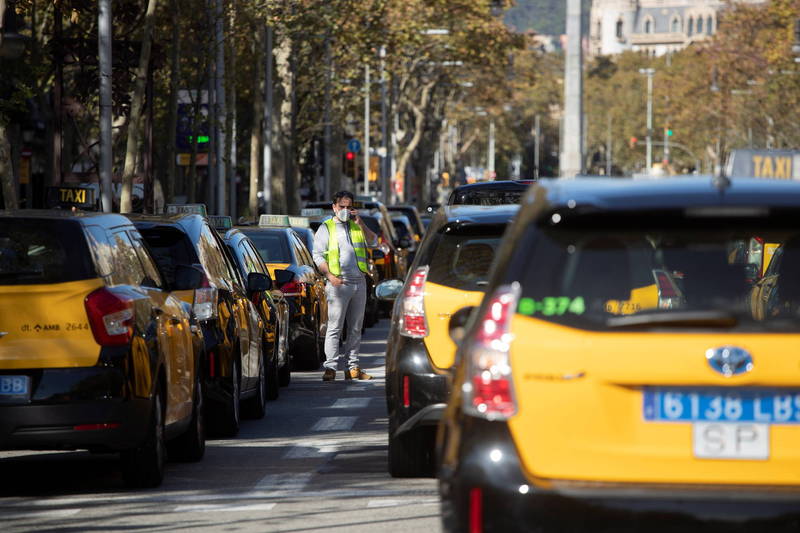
677, 319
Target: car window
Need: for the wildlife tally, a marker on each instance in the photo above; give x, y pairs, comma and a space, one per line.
129, 269
102, 251
212, 258
272, 246
587, 272
169, 247
461, 258
150, 268
255, 257
301, 251
250, 265
43, 251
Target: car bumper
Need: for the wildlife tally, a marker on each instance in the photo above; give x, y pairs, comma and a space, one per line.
487, 474
427, 391
80, 408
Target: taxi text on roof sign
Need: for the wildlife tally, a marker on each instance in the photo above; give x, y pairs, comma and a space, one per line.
773, 164
274, 220
312, 212
299, 222
191, 209
71, 196
221, 222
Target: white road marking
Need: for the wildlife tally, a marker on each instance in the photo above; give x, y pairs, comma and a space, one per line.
334, 423
282, 484
351, 403
53, 513
396, 503
209, 508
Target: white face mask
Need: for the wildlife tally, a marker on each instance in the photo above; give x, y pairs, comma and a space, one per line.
343, 214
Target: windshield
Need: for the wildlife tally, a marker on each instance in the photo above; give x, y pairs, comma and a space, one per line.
487, 196
591, 272
272, 246
36, 251
460, 258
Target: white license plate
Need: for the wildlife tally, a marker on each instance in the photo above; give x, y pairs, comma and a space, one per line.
714, 440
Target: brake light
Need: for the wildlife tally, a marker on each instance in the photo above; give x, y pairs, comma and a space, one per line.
489, 390
475, 510
406, 392
205, 303
110, 317
95, 427
413, 323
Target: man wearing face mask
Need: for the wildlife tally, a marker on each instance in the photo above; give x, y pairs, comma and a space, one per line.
340, 252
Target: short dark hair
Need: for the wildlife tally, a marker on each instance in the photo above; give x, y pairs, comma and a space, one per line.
343, 194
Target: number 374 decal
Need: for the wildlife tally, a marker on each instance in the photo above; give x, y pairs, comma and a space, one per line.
552, 306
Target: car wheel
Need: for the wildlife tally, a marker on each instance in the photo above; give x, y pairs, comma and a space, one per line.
411, 454
273, 382
231, 411
285, 374
143, 467
311, 359
191, 446
257, 405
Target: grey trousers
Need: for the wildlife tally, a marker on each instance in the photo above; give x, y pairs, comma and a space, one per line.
345, 301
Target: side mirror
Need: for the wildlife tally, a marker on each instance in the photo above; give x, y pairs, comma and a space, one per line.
388, 290
188, 278
283, 276
457, 326
258, 282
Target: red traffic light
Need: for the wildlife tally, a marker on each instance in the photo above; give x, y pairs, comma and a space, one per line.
350, 156
632, 142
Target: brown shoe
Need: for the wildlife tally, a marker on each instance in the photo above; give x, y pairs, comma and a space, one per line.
329, 375
356, 373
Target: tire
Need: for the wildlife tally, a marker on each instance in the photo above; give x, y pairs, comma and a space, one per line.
273, 380
311, 359
256, 406
143, 467
191, 446
231, 413
411, 454
285, 374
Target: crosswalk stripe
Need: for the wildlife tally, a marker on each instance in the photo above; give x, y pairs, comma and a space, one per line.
351, 403
282, 484
396, 503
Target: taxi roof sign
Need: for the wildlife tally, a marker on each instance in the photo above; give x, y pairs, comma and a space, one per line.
300, 222
312, 212
189, 209
220, 222
274, 220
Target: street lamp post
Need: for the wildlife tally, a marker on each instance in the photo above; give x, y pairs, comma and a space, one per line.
649, 72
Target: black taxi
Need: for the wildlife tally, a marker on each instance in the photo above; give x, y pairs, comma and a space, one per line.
450, 272
95, 351
232, 328
303, 285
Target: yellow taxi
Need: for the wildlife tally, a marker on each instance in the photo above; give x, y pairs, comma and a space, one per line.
569, 412
95, 351
292, 267
450, 272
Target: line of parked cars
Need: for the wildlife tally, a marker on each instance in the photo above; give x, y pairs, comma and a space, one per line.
141, 334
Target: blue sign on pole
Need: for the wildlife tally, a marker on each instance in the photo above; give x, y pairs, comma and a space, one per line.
353, 145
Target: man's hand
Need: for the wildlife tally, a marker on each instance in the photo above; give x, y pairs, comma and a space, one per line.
336, 281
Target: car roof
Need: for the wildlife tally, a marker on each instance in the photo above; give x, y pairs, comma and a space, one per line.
190, 224
664, 193
499, 185
95, 217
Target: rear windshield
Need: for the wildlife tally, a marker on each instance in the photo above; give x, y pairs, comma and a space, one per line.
170, 247
373, 224
401, 229
35, 251
486, 196
460, 258
670, 271
272, 246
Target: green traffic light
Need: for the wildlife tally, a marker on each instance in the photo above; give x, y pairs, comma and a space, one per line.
669, 133
200, 139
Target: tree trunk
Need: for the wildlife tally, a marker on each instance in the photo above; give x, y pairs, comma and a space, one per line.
419, 122
7, 170
137, 102
256, 137
282, 180
174, 82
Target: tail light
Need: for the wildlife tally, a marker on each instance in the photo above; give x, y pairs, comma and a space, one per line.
205, 303
412, 323
110, 316
475, 510
669, 296
292, 288
489, 390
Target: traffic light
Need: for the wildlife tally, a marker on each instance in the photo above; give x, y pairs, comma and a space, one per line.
632, 142
349, 164
667, 131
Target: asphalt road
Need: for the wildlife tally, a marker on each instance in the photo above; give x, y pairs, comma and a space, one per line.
316, 462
